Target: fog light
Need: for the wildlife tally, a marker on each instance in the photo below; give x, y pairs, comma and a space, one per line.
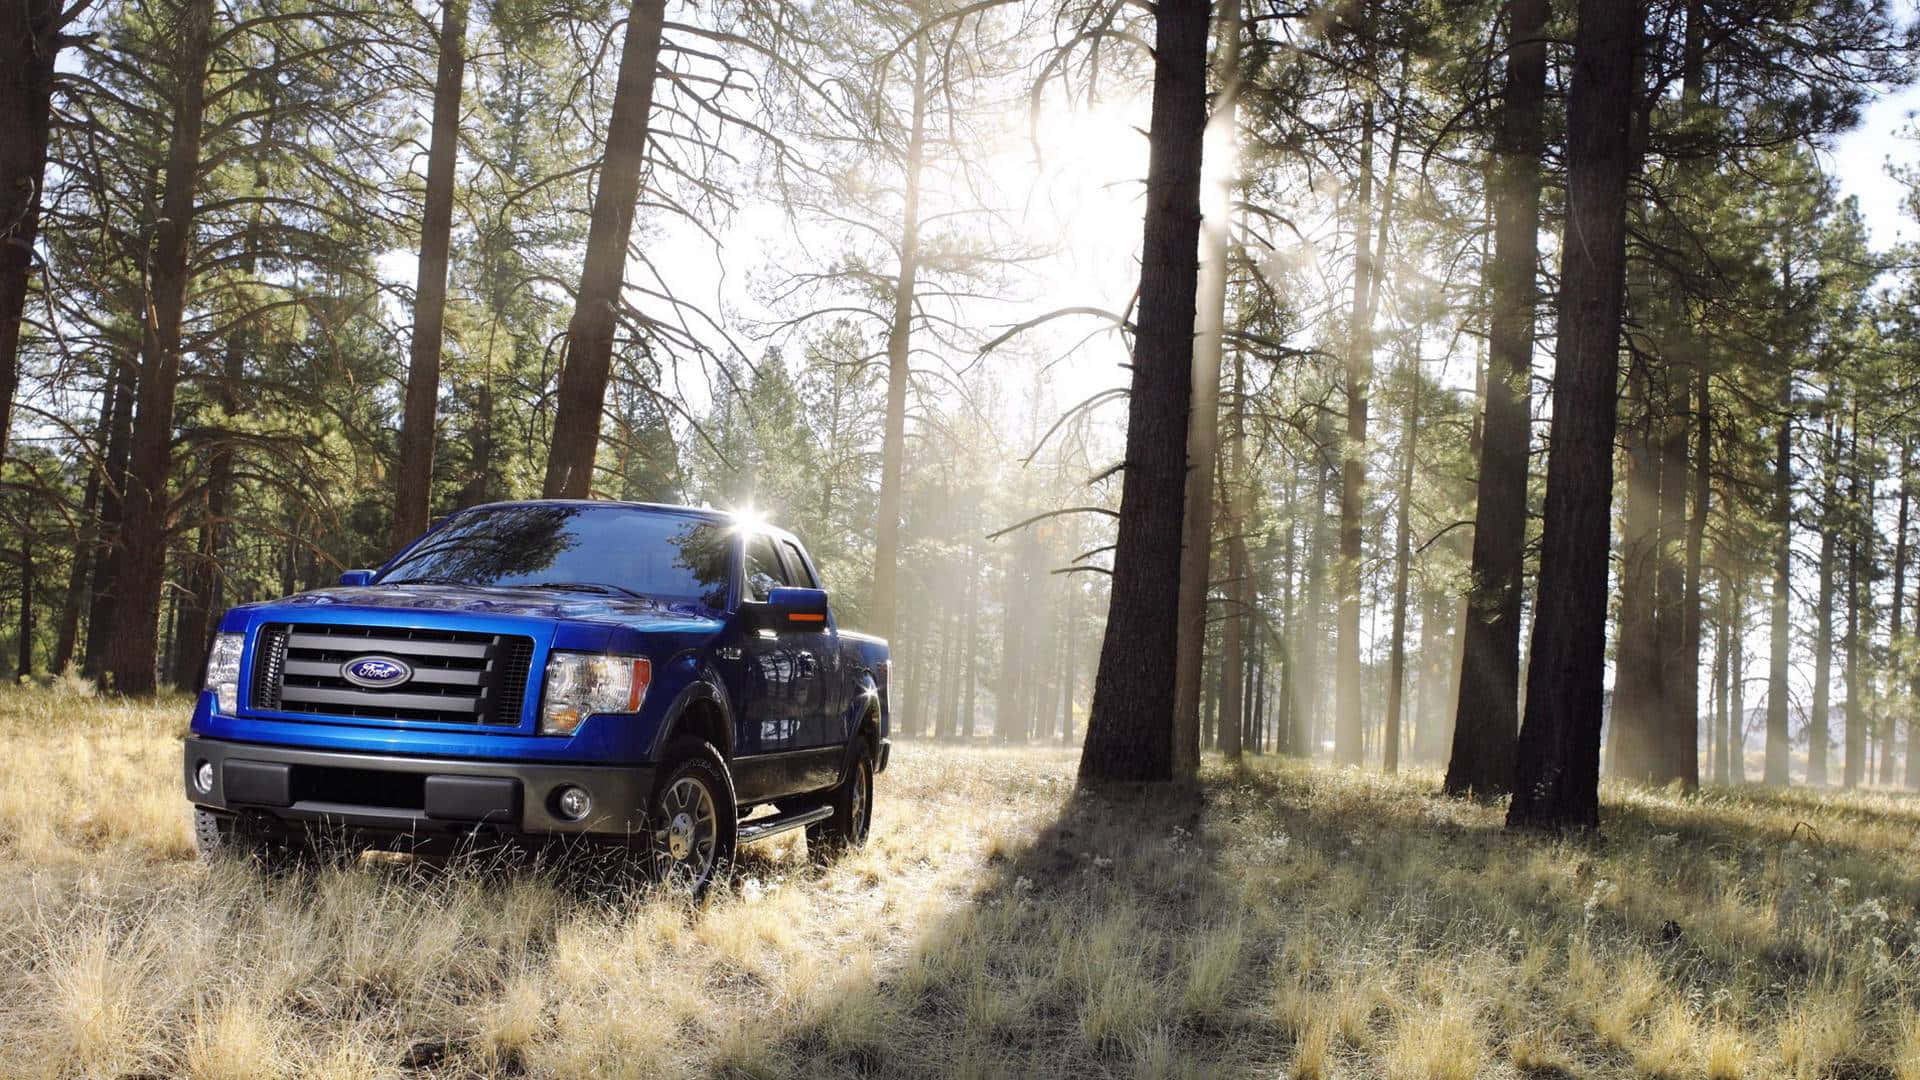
203, 778
575, 803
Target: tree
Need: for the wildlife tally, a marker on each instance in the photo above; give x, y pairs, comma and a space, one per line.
597, 301
413, 473
1129, 730
1558, 771
1486, 718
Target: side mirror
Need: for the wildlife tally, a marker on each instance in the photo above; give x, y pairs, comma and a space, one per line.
789, 609
352, 578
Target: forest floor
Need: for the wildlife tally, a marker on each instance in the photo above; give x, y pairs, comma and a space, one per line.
1284, 920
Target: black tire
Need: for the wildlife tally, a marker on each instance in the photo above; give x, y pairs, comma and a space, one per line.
852, 804
692, 819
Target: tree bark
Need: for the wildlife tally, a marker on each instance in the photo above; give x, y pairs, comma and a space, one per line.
1233, 649
1487, 715
107, 547
413, 477
1402, 561
131, 645
24, 665
1683, 684
1778, 661
1819, 737
29, 46
1348, 733
1558, 770
583, 381
1633, 724
1737, 691
1203, 424
893, 449
1130, 728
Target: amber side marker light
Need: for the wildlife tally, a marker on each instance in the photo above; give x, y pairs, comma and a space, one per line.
805, 616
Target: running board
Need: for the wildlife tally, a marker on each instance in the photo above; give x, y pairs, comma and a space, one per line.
761, 828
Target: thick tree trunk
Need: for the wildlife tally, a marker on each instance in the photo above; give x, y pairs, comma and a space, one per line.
1203, 423
583, 381
1559, 751
1130, 729
413, 476
29, 45
893, 447
1487, 716
107, 547
131, 646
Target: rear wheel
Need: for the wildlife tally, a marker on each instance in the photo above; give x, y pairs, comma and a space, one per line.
852, 804
693, 819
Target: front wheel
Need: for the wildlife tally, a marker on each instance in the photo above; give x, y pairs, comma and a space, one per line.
852, 804
693, 819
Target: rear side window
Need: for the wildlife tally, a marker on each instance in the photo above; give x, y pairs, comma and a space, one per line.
798, 570
763, 571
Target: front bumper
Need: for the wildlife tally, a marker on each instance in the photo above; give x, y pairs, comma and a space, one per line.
415, 797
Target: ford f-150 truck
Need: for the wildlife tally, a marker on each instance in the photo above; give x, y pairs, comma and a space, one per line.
549, 671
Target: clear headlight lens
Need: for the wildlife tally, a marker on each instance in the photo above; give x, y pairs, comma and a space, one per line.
581, 684
223, 670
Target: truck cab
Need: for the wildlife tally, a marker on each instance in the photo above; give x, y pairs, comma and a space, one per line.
547, 672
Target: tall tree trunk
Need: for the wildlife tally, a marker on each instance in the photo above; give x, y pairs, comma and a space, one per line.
67, 636
1854, 766
1737, 690
1487, 715
1558, 772
1130, 728
1239, 593
1819, 735
583, 381
1676, 744
1683, 682
30, 44
1722, 742
972, 632
1896, 611
131, 646
1633, 725
413, 478
107, 547
893, 447
1402, 561
1203, 423
24, 666
1348, 733
1778, 660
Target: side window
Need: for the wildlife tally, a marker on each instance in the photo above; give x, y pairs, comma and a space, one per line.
763, 568
797, 567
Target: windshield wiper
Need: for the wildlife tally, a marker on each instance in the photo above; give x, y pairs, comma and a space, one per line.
579, 586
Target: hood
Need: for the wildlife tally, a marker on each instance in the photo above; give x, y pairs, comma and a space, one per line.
559, 604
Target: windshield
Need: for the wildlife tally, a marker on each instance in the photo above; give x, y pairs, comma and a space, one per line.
612, 548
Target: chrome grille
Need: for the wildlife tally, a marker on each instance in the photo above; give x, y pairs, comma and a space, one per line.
458, 676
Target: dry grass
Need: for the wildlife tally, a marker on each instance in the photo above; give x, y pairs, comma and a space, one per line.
1281, 921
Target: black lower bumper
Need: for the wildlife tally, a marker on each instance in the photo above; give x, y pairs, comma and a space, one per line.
420, 797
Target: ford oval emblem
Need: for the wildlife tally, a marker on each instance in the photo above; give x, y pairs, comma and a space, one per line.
375, 672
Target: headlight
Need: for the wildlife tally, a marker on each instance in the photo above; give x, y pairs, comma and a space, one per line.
581, 684
223, 670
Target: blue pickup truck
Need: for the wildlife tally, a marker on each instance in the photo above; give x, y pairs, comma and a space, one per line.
587, 673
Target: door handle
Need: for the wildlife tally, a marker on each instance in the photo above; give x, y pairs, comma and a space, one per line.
806, 665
